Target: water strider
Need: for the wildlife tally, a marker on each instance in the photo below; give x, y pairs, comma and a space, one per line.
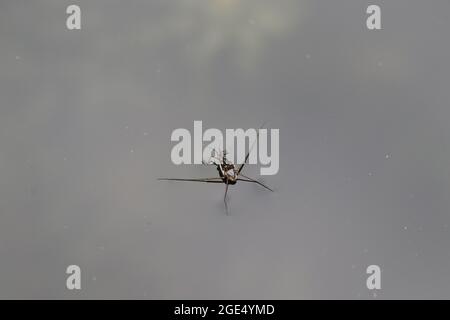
229, 174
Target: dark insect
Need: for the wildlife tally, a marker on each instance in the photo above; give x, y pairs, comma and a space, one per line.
229, 174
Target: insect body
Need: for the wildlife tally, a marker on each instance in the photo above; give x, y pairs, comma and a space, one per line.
229, 174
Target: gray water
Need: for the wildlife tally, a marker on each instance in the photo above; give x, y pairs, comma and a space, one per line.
85, 123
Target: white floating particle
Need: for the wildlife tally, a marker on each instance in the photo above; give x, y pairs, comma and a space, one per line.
405, 228
308, 56
388, 156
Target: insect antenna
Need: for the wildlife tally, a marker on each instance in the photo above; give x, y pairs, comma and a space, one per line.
250, 150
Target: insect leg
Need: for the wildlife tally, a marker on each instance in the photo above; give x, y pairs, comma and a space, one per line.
225, 198
248, 179
207, 180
